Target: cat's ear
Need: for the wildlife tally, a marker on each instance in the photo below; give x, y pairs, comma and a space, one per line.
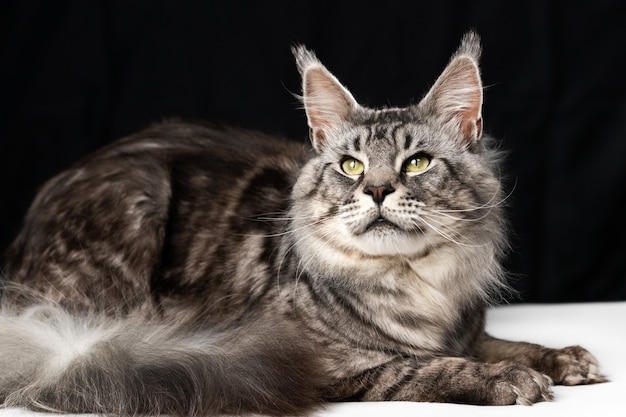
327, 103
457, 95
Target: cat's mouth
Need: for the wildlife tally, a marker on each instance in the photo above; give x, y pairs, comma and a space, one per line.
381, 222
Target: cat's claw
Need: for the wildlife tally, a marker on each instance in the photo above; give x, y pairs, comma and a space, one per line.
522, 385
574, 365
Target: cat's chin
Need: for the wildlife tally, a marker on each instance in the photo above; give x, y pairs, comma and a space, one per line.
384, 238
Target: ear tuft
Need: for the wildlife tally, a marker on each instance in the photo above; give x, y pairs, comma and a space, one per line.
457, 95
327, 103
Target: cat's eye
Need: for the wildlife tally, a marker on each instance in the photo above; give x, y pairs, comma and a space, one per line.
416, 163
352, 166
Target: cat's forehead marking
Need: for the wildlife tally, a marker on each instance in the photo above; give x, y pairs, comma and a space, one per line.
408, 141
379, 132
391, 127
380, 137
385, 137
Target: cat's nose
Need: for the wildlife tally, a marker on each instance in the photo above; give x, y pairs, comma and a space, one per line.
379, 192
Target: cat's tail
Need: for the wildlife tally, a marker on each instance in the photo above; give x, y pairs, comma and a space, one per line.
51, 360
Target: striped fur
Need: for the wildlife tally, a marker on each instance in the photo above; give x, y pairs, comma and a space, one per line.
196, 269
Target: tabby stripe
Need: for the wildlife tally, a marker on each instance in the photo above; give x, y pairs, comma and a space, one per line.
457, 175
351, 304
406, 379
367, 378
346, 305
393, 134
408, 142
268, 250
319, 178
372, 135
324, 300
437, 377
382, 134
468, 327
329, 324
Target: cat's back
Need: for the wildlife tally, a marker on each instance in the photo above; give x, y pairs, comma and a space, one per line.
145, 206
177, 147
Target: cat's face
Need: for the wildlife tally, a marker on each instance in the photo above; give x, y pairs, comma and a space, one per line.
395, 182
394, 188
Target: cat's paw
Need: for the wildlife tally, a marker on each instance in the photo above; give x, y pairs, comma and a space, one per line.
519, 384
572, 365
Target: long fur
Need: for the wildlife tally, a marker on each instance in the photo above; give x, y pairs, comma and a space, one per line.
193, 269
54, 361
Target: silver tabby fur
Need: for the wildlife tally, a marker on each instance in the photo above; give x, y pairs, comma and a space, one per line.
193, 269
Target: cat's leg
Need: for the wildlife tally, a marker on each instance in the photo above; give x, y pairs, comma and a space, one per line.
452, 380
572, 365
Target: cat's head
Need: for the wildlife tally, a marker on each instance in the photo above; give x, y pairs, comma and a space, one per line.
397, 181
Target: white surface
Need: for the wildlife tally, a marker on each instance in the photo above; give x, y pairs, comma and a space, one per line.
599, 327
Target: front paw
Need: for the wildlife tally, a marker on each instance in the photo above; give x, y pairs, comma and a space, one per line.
572, 365
519, 384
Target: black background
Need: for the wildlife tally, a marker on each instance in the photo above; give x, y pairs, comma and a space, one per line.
75, 75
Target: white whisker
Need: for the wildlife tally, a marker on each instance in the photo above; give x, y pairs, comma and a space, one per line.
487, 205
444, 234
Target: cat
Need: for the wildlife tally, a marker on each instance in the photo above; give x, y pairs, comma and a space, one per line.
199, 269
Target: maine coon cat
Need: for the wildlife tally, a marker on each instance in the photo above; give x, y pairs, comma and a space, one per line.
195, 269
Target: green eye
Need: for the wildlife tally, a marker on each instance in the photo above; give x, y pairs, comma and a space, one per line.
352, 166
416, 163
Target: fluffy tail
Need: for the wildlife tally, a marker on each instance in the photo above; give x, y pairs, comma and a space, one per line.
50, 360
